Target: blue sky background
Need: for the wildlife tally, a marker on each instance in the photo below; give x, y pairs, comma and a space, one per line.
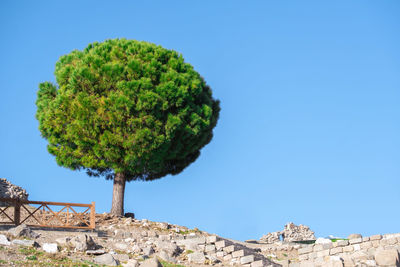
309, 130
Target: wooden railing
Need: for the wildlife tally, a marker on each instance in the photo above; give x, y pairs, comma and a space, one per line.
68, 216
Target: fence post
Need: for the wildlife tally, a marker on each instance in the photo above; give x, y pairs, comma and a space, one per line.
17, 212
93, 216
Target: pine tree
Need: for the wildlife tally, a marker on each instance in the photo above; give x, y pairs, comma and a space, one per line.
126, 110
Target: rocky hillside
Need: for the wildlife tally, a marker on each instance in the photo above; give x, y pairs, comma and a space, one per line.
131, 242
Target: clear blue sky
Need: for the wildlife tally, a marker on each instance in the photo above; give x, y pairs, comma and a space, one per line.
309, 130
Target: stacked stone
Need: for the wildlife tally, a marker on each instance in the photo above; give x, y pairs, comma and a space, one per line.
8, 190
290, 233
293, 232
215, 249
376, 250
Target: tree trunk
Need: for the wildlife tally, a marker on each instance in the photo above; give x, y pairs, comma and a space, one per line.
117, 207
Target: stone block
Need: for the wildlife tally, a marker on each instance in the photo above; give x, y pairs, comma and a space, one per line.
307, 264
348, 249
303, 257
334, 251
366, 245
227, 257
220, 254
305, 250
365, 239
257, 263
247, 259
375, 243
229, 249
375, 237
392, 241
323, 253
211, 239
355, 241
342, 243
318, 248
209, 248
353, 236
197, 257
238, 253
357, 247
220, 244
387, 257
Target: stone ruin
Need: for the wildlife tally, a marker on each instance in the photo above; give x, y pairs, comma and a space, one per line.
8, 190
290, 233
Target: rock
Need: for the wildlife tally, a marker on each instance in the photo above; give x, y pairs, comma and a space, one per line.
153, 262
63, 240
131, 263
23, 231
50, 247
321, 240
121, 246
136, 249
353, 236
121, 257
4, 241
171, 248
25, 243
83, 242
95, 252
148, 251
130, 215
247, 259
196, 257
8, 190
387, 257
290, 233
106, 259
164, 255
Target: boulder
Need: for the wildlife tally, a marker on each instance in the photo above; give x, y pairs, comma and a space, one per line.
388, 257
153, 262
148, 251
83, 242
106, 259
23, 231
164, 255
197, 257
171, 248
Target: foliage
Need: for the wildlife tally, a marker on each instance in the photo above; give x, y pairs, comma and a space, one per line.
126, 106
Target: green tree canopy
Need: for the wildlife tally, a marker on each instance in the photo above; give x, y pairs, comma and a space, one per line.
126, 106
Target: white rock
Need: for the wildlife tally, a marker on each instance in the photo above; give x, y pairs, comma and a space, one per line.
50, 247
321, 240
197, 257
4, 241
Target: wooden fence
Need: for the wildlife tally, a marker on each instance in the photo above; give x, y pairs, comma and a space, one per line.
44, 214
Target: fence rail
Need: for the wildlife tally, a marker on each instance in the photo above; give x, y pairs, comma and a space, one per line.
46, 215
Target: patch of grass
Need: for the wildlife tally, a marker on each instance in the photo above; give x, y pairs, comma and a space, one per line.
168, 264
31, 258
3, 261
189, 251
305, 242
284, 254
337, 239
